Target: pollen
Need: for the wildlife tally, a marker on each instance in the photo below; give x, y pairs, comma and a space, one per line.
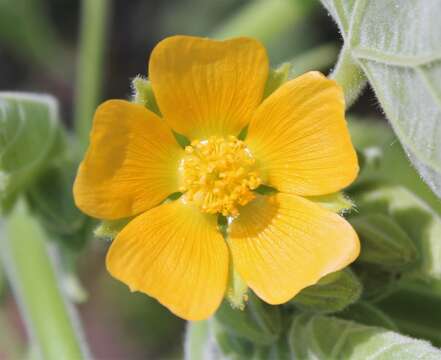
218, 175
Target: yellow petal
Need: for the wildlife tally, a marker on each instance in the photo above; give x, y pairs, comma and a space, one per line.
300, 138
205, 87
131, 164
175, 254
284, 243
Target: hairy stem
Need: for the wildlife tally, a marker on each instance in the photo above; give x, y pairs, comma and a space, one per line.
50, 320
196, 336
350, 76
94, 18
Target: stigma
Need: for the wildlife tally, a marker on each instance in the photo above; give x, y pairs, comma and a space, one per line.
218, 175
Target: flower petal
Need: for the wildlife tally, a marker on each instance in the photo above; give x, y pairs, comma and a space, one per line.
175, 254
300, 138
131, 164
284, 243
205, 87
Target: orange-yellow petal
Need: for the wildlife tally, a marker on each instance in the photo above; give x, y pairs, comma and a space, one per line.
131, 164
175, 254
206, 87
284, 243
300, 138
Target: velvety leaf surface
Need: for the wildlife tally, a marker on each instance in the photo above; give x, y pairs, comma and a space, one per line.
322, 337
28, 134
396, 44
414, 216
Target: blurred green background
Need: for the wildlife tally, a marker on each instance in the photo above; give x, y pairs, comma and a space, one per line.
39, 53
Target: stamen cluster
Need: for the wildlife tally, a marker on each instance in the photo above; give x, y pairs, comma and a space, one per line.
218, 175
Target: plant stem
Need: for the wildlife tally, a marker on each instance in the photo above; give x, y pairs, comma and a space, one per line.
264, 19
196, 336
318, 58
94, 18
349, 75
51, 321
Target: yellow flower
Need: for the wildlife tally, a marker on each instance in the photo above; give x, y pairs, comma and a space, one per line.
297, 143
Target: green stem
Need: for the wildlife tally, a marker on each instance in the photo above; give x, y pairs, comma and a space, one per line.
196, 337
264, 19
318, 58
94, 17
350, 76
50, 320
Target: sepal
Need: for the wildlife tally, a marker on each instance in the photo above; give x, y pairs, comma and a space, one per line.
109, 229
276, 78
337, 202
143, 94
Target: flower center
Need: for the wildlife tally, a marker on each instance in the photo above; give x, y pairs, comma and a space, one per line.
218, 175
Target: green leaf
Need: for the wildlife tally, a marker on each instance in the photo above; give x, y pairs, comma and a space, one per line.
331, 294
368, 314
278, 351
396, 45
259, 323
378, 282
322, 337
421, 223
29, 136
51, 200
416, 309
230, 344
372, 134
384, 242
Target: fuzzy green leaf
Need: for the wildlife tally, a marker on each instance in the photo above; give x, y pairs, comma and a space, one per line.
368, 314
372, 134
416, 309
420, 222
322, 337
29, 136
396, 45
258, 322
51, 200
331, 294
384, 242
231, 344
